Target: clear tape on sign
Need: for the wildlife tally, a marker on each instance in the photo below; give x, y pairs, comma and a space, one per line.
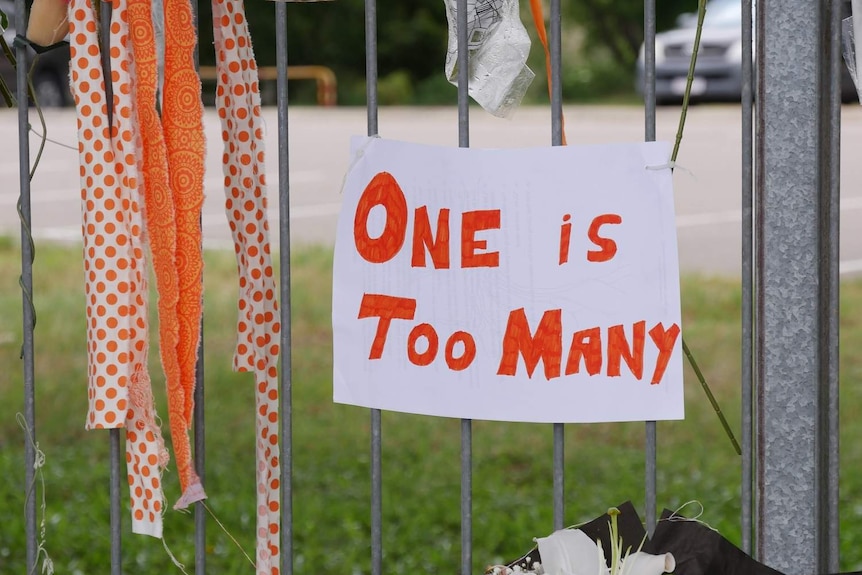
671, 165
498, 46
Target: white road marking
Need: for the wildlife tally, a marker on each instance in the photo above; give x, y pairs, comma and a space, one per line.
213, 186
296, 213
735, 216
850, 267
708, 219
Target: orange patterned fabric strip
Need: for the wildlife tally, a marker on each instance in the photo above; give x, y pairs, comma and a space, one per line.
161, 226
182, 121
114, 263
259, 325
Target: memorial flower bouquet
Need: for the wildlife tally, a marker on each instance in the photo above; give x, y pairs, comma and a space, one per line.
616, 543
573, 552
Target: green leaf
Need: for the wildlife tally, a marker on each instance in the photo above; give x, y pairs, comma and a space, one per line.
7, 51
7, 94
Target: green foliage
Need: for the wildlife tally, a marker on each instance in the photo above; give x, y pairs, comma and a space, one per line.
411, 39
616, 26
395, 88
596, 79
8, 98
411, 46
512, 463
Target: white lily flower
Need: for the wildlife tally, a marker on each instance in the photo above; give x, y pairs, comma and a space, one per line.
641, 563
572, 552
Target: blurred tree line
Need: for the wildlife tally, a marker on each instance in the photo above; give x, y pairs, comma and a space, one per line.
601, 40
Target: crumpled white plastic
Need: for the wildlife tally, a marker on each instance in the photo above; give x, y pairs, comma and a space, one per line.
498, 46
851, 39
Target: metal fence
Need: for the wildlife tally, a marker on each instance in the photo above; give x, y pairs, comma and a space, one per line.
789, 273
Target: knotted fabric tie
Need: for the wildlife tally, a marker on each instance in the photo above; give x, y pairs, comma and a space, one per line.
258, 327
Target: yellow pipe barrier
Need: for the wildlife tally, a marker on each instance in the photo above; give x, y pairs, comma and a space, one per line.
324, 76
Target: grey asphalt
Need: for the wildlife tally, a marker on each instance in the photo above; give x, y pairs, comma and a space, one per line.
707, 188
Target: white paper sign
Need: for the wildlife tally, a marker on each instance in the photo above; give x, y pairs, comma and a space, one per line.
533, 285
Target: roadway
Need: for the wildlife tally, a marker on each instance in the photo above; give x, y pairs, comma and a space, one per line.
707, 189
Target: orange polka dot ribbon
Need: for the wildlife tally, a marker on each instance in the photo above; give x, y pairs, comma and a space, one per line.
116, 279
258, 327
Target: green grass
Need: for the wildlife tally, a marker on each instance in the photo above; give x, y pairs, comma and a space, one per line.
512, 478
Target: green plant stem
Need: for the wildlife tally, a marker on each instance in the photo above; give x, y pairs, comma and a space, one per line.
701, 13
4, 88
711, 397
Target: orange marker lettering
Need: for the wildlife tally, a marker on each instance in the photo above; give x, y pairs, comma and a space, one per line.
565, 238
586, 344
437, 246
463, 362
472, 222
546, 344
664, 340
618, 348
386, 308
384, 191
425, 358
607, 247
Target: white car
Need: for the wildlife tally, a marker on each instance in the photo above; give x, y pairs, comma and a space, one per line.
718, 74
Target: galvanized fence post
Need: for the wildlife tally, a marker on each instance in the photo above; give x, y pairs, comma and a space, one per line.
830, 304
796, 247
747, 273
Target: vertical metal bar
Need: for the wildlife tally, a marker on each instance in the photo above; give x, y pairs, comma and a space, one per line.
200, 460
199, 410
376, 419
830, 217
758, 218
747, 368
27, 291
649, 70
371, 65
791, 185
649, 136
466, 496
376, 493
463, 75
105, 12
555, 48
116, 519
559, 475
286, 374
466, 424
650, 474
